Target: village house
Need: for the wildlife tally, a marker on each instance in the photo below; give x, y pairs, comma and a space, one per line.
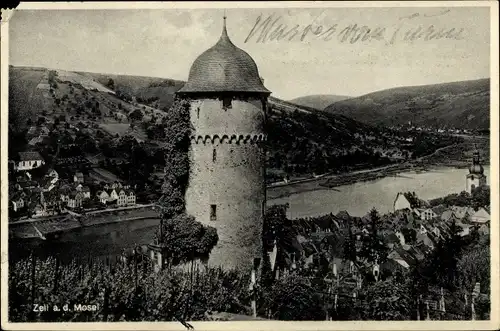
426, 237
103, 196
64, 191
86, 192
391, 240
465, 229
75, 199
395, 256
439, 210
401, 202
449, 216
29, 161
35, 140
484, 229
425, 214
401, 237
130, 197
462, 213
78, 177
481, 216
17, 200
48, 184
122, 198
52, 173
113, 195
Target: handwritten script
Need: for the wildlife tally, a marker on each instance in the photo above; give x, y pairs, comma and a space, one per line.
272, 28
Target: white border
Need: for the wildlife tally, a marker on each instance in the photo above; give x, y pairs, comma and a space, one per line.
493, 324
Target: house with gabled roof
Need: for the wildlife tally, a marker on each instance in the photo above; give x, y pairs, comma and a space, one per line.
462, 212
425, 238
481, 216
18, 200
75, 199
343, 215
103, 196
29, 160
113, 195
401, 202
86, 192
448, 216
122, 198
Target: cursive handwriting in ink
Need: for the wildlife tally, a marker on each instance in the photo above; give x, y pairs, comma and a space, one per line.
427, 33
272, 28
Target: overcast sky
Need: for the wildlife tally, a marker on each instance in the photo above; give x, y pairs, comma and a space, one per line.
164, 43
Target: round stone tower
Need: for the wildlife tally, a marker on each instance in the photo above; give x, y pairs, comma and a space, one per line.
475, 177
227, 159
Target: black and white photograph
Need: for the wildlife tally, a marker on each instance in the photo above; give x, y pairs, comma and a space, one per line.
249, 162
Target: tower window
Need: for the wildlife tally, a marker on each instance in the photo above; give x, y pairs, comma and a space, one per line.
214, 155
227, 103
198, 113
213, 212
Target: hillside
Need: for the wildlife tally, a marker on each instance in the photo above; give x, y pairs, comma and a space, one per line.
462, 105
302, 140
318, 101
145, 88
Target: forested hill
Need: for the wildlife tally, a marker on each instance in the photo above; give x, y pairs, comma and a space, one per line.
301, 139
461, 105
318, 101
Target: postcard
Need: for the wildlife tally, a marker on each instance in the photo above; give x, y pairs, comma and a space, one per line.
250, 165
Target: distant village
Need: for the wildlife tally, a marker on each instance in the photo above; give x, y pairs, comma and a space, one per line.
36, 189
410, 232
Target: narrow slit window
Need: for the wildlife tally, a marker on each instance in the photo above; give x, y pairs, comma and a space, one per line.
198, 113
214, 155
227, 103
213, 212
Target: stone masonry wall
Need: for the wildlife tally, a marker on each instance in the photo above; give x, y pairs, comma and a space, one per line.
231, 178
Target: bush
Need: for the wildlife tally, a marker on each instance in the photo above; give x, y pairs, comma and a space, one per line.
123, 291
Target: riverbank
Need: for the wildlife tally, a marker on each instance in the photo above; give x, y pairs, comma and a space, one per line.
49, 227
452, 156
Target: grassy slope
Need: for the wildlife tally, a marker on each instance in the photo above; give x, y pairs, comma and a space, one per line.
292, 128
25, 100
459, 104
144, 87
318, 101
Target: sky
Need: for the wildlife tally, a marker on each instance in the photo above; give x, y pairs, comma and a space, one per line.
319, 55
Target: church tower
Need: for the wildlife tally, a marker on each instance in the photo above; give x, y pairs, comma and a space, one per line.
475, 177
226, 187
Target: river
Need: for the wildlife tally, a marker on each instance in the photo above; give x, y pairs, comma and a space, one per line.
357, 199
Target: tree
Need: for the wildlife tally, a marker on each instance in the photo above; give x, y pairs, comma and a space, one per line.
349, 249
441, 267
384, 301
111, 83
293, 298
481, 197
279, 230
373, 249
184, 239
136, 115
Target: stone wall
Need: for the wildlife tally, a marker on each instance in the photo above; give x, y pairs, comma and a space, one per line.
227, 171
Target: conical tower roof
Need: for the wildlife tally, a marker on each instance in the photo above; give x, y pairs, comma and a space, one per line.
224, 68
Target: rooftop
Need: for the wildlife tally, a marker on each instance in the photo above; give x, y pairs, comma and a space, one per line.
30, 156
224, 68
